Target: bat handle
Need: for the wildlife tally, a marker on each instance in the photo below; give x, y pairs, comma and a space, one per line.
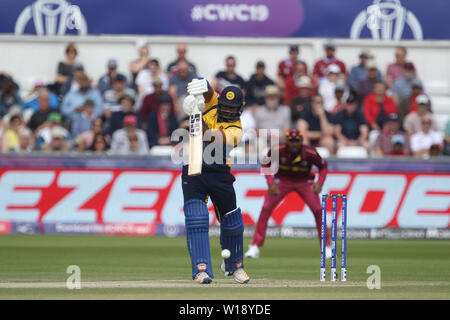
200, 102
200, 98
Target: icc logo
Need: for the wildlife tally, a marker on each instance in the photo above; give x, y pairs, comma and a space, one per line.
52, 17
386, 20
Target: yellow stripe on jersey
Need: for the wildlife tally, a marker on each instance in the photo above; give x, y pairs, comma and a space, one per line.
311, 151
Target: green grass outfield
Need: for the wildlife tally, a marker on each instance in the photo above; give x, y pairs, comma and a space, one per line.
34, 267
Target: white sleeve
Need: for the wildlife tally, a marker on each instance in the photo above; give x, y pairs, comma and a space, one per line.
142, 77
415, 142
438, 138
143, 142
165, 81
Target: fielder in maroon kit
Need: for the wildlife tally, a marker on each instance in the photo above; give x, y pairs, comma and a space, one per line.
294, 174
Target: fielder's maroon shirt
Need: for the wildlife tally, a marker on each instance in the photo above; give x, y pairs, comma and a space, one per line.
297, 166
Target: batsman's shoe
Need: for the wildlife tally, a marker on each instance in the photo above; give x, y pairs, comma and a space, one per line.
328, 252
203, 278
253, 252
241, 276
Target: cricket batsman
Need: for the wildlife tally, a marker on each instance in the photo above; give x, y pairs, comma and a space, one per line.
221, 115
294, 174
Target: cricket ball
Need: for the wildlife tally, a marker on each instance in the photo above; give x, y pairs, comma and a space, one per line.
226, 253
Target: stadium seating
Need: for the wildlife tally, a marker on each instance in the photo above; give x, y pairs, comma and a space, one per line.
352, 152
323, 152
161, 151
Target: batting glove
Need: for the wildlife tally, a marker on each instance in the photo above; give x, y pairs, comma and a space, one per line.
189, 104
197, 87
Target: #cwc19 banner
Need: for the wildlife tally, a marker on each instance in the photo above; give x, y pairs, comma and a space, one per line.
377, 19
137, 201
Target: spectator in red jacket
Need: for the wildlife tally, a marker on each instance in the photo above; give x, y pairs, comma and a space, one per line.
320, 68
291, 83
286, 68
161, 123
151, 101
377, 106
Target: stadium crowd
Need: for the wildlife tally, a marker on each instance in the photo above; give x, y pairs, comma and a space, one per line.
384, 112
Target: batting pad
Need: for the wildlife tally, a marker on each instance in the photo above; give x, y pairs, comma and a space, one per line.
196, 217
232, 238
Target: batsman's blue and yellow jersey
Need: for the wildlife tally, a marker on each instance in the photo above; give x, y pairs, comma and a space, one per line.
231, 130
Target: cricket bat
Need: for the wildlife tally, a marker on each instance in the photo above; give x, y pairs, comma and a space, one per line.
196, 138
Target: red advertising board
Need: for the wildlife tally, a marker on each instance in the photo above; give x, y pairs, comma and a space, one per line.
146, 196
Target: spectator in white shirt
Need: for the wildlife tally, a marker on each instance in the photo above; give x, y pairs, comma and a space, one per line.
273, 115
129, 139
427, 139
328, 85
145, 77
413, 120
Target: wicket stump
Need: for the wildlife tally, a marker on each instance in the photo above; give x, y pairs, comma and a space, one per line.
334, 224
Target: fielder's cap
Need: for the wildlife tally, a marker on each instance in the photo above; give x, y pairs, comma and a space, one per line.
422, 100
58, 132
112, 63
416, 83
77, 66
350, 99
303, 82
371, 65
130, 119
397, 138
293, 134
231, 96
293, 48
393, 117
409, 66
272, 90
54, 117
333, 68
329, 45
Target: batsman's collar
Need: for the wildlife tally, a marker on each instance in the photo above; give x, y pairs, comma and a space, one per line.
231, 96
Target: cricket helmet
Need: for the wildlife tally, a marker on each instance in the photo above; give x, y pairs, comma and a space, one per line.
231, 96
